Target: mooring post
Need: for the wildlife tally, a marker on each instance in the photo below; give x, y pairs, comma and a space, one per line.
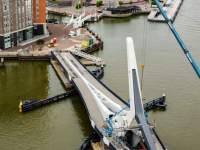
20, 106
102, 65
2, 62
164, 97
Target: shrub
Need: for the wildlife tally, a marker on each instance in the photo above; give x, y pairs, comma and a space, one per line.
40, 42
153, 3
99, 3
78, 6
121, 3
131, 2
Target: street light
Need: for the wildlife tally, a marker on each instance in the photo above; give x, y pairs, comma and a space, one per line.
78, 8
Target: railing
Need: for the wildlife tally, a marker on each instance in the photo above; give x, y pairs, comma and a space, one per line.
87, 56
8, 53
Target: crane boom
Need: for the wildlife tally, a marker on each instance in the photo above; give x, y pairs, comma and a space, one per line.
191, 60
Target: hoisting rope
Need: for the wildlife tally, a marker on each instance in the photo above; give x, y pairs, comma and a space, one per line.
143, 51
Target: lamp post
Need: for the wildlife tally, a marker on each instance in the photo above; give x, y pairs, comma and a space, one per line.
2, 62
78, 7
33, 47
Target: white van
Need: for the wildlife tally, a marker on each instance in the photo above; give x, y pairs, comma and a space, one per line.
72, 33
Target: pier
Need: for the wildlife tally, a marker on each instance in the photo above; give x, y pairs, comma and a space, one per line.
32, 104
171, 9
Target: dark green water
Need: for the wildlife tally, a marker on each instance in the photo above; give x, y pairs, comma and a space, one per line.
61, 125
64, 124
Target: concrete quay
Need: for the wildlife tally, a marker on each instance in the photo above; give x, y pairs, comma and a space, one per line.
171, 8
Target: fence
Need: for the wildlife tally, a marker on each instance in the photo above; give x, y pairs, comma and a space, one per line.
8, 53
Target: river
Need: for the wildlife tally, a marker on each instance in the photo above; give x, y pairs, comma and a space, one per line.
64, 124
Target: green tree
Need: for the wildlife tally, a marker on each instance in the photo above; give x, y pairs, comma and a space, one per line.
40, 42
131, 2
121, 3
99, 3
153, 3
78, 6
146, 0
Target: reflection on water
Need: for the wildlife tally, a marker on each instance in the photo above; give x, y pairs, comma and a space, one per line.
64, 124
60, 125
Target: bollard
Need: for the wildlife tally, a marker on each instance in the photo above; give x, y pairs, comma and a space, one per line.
2, 62
164, 96
20, 106
102, 66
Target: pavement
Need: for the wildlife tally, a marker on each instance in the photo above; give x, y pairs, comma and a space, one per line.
65, 43
56, 30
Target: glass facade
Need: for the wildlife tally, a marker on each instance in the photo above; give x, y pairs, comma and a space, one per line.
20, 37
29, 33
7, 41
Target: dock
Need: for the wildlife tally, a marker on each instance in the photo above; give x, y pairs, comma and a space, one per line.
171, 9
33, 104
63, 76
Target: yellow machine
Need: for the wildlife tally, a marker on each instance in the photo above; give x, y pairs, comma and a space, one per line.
50, 45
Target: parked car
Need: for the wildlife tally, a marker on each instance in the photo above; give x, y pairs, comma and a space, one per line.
99, 11
55, 21
72, 33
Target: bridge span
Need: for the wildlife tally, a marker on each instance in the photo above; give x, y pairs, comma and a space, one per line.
111, 117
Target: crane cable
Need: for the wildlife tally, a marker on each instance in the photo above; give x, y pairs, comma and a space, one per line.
143, 51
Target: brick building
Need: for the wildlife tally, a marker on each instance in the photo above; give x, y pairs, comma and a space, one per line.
21, 20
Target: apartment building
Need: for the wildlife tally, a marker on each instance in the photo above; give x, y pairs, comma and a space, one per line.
21, 20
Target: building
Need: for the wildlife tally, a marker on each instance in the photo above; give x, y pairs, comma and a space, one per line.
123, 9
21, 20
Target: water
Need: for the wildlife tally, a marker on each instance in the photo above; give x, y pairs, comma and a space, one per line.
61, 125
64, 124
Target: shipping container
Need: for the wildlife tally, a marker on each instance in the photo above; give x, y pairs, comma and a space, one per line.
85, 43
91, 41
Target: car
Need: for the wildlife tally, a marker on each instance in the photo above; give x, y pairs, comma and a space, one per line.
99, 11
72, 33
55, 21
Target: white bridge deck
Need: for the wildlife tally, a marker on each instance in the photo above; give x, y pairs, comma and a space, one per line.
88, 99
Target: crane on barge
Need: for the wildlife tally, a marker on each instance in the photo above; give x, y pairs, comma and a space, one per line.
187, 53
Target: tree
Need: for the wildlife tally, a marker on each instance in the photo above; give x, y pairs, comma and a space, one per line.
153, 3
146, 0
40, 42
121, 3
99, 3
131, 2
78, 6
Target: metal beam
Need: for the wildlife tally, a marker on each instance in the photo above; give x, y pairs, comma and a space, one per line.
191, 60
